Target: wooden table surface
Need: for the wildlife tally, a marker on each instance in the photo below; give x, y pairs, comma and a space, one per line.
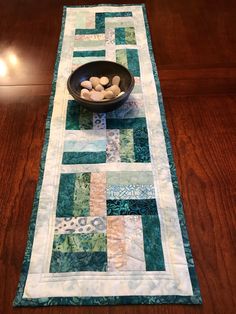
195, 48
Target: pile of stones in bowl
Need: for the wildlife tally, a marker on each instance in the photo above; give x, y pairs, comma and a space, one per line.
101, 89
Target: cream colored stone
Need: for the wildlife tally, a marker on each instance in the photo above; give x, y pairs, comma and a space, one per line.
115, 89
99, 88
96, 96
108, 94
84, 93
116, 80
104, 80
94, 80
86, 84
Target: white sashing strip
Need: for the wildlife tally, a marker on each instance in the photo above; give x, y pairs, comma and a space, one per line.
116, 166
85, 135
134, 243
110, 44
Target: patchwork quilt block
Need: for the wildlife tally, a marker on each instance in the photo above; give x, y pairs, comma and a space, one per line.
107, 225
101, 212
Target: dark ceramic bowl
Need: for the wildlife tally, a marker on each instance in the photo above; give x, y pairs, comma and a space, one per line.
99, 69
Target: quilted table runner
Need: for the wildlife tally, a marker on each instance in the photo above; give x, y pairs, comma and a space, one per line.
107, 225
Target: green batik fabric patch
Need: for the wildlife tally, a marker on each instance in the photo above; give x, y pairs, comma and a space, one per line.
131, 207
83, 158
81, 195
73, 195
76, 262
134, 144
127, 146
85, 119
77, 117
80, 242
129, 177
121, 57
129, 58
130, 36
152, 243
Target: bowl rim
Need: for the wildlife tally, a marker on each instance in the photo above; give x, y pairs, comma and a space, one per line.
107, 102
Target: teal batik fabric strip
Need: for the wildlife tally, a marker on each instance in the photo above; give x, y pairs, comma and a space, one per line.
80, 242
70, 158
65, 199
118, 14
85, 119
152, 243
134, 123
77, 117
131, 207
76, 262
133, 61
120, 36
141, 145
81, 196
72, 116
87, 53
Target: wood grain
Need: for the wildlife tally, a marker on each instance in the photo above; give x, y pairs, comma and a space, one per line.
194, 44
